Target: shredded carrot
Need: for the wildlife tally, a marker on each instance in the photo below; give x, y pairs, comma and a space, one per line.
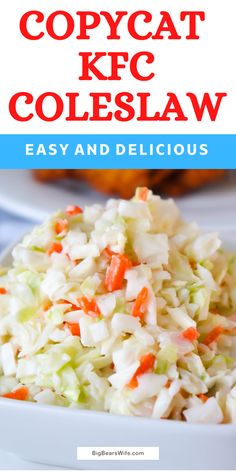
74, 307
193, 264
73, 210
135, 263
90, 307
55, 247
143, 194
140, 304
19, 394
213, 335
133, 382
74, 328
203, 397
71, 306
68, 256
168, 383
47, 305
61, 226
146, 364
191, 334
3, 291
116, 272
109, 253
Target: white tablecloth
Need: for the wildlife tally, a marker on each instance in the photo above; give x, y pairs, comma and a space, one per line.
10, 462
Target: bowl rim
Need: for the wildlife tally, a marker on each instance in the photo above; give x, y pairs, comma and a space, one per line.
110, 417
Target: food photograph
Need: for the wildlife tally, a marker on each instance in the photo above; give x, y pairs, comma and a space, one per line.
117, 317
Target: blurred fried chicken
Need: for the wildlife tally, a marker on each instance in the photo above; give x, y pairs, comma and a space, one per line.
185, 181
123, 182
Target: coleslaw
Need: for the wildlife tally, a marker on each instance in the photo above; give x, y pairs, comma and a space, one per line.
123, 308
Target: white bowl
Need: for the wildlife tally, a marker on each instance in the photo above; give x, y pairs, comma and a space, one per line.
51, 435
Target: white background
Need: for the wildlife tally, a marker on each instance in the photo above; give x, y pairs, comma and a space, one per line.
206, 65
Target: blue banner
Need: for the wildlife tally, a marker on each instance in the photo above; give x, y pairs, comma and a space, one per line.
117, 151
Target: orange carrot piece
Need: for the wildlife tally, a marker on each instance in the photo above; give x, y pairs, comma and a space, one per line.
74, 328
133, 383
116, 272
191, 334
47, 305
61, 226
203, 397
109, 253
168, 383
140, 304
146, 364
143, 194
213, 335
63, 302
71, 306
90, 307
73, 210
74, 307
19, 394
55, 247
3, 291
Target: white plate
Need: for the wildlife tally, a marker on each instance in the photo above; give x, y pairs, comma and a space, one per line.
22, 195
51, 435
213, 208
